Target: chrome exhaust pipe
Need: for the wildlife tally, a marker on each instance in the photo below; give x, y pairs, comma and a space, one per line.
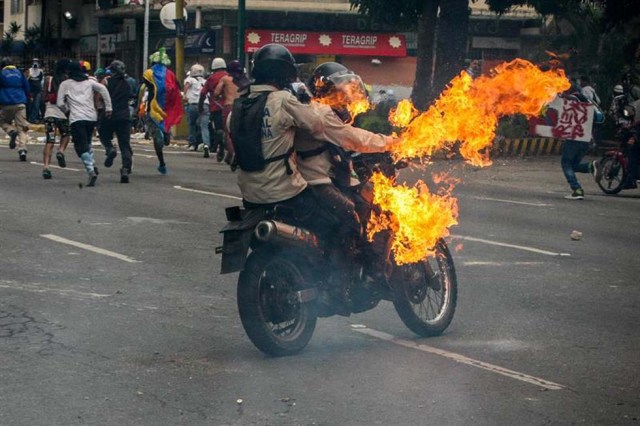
272, 231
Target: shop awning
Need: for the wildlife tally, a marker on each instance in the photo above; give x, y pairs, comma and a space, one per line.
329, 43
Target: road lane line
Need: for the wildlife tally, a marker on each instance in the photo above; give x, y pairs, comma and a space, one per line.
459, 358
514, 246
57, 167
90, 248
198, 191
500, 200
12, 285
490, 263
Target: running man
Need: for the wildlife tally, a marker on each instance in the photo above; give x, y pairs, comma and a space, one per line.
54, 118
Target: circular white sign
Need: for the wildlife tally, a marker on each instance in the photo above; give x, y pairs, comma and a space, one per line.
168, 14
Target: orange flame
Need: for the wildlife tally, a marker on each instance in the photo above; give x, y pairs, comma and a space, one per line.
350, 96
402, 115
417, 217
468, 110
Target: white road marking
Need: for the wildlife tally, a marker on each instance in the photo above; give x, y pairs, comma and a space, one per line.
459, 358
72, 294
198, 191
514, 246
500, 200
155, 221
89, 248
489, 263
144, 155
62, 292
57, 167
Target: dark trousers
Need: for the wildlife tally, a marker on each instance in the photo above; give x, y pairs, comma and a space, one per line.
81, 134
123, 132
572, 154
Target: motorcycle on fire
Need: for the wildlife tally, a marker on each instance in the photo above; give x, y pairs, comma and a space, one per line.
283, 288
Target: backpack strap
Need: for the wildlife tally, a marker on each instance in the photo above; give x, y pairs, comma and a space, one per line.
304, 155
284, 157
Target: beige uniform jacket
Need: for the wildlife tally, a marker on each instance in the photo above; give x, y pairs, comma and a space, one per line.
318, 169
283, 115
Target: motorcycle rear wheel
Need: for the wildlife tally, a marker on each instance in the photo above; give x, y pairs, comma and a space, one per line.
613, 175
425, 293
275, 320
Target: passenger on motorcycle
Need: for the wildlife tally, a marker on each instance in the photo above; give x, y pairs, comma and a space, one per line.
263, 124
325, 164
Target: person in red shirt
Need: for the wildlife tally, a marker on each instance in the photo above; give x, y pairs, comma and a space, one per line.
218, 70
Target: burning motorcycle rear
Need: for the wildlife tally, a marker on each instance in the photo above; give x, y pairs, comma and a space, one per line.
283, 287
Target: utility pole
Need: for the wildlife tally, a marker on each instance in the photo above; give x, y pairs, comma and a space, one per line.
180, 33
241, 25
145, 43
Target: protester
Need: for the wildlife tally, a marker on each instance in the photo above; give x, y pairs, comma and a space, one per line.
14, 92
573, 151
164, 106
75, 95
119, 121
227, 92
192, 87
218, 70
54, 118
101, 76
588, 91
36, 79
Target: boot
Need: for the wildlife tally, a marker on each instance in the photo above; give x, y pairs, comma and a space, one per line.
124, 175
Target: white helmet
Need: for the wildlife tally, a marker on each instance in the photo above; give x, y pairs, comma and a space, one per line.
618, 89
217, 64
197, 70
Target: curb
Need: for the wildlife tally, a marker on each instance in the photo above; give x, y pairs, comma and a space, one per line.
527, 147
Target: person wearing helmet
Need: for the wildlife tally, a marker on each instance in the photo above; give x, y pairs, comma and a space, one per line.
119, 121
264, 124
54, 118
76, 95
218, 70
14, 92
193, 85
164, 103
325, 164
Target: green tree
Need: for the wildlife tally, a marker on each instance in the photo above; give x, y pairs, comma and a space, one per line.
422, 17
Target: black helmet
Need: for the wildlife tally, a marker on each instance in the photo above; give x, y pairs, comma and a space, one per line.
117, 67
322, 77
273, 63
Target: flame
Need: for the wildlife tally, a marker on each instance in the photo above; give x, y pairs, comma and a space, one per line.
417, 217
468, 110
350, 96
402, 115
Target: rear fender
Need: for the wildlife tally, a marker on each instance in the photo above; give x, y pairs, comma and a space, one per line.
237, 237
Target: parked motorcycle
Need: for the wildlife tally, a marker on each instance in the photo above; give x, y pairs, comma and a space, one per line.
614, 166
283, 286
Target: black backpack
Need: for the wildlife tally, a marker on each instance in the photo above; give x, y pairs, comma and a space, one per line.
247, 120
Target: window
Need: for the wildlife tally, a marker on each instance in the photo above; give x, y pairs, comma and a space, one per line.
16, 6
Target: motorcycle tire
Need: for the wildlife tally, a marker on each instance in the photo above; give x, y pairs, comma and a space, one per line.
425, 293
275, 320
613, 175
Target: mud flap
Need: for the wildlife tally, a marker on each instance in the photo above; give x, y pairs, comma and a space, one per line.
234, 250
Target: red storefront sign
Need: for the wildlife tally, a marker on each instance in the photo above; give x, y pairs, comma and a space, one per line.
329, 43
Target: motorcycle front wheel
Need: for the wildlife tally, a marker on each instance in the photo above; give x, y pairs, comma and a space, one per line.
425, 293
613, 175
272, 315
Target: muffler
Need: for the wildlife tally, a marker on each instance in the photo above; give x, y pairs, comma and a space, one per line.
272, 231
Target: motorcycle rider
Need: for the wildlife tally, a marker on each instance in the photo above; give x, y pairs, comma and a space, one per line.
269, 117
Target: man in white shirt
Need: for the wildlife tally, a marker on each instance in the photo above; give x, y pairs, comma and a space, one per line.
76, 96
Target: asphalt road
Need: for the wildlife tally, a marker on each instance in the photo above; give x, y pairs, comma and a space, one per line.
147, 332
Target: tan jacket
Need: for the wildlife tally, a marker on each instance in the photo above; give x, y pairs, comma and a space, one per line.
318, 169
283, 115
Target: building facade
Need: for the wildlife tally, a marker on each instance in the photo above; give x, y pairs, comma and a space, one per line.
315, 31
